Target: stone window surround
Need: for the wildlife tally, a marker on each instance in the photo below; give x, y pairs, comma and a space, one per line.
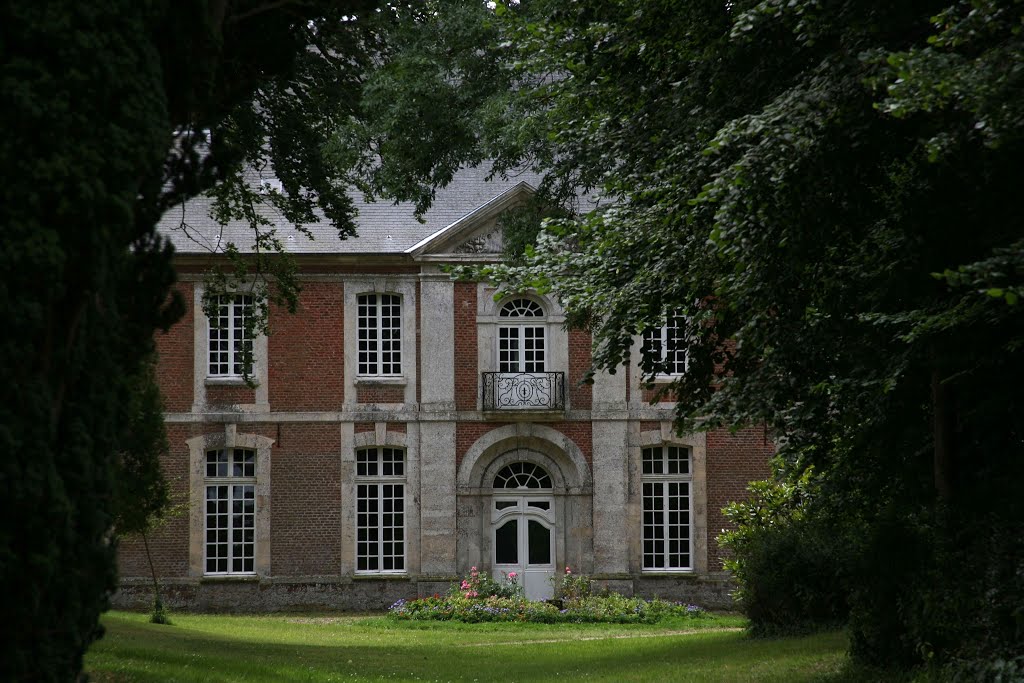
487, 319
379, 437
405, 287
201, 380
198, 446
697, 445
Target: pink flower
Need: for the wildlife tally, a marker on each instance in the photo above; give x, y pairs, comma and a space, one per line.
465, 584
512, 575
568, 571
471, 594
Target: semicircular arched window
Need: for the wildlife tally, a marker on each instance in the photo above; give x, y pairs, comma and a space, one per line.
521, 308
522, 475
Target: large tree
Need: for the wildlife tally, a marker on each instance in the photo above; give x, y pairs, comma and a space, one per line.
827, 192
113, 111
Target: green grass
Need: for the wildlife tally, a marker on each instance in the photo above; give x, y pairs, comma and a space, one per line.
346, 648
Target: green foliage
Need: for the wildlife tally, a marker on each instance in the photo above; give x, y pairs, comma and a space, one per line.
831, 187
105, 107
788, 565
477, 585
610, 609
572, 589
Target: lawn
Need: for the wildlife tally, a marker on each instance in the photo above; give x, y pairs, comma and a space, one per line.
347, 648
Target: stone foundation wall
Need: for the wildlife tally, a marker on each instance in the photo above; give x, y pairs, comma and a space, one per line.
247, 596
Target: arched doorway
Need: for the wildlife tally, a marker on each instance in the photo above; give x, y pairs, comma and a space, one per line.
523, 528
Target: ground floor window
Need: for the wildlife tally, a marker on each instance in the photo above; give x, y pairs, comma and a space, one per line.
230, 514
380, 510
666, 508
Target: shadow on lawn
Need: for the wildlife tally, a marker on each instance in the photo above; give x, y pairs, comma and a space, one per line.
139, 652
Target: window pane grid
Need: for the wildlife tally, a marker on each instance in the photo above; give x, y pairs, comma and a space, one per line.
521, 349
380, 510
666, 508
666, 346
229, 338
230, 513
379, 335
666, 460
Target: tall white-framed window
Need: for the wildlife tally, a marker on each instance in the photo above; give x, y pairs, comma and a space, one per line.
665, 347
667, 508
380, 510
229, 545
521, 337
229, 339
379, 330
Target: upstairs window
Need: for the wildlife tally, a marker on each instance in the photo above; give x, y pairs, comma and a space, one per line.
665, 347
380, 510
380, 334
521, 337
230, 514
230, 340
667, 510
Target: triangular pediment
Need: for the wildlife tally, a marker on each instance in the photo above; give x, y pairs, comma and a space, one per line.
477, 234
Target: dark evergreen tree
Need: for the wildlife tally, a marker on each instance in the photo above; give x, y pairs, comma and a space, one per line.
112, 111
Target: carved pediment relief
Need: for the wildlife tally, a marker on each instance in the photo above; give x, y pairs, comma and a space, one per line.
484, 243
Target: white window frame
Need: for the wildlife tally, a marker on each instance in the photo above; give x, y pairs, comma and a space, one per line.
235, 308
661, 474
376, 472
516, 326
670, 341
238, 479
372, 363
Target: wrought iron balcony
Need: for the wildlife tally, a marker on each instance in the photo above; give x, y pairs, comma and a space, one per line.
524, 390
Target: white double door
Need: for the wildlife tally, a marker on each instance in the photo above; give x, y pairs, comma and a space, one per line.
523, 541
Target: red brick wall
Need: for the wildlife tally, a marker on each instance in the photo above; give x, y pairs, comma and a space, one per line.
174, 370
580, 395
467, 434
305, 485
370, 393
649, 394
306, 365
229, 395
168, 544
467, 371
582, 434
650, 426
733, 461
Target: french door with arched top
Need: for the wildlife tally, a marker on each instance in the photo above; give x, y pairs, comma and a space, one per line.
523, 528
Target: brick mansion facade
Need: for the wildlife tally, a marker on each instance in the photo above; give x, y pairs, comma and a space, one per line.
405, 427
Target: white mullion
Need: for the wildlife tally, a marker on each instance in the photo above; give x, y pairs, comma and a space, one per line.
230, 483
665, 480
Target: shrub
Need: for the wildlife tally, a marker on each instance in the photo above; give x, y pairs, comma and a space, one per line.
786, 564
476, 585
572, 588
612, 609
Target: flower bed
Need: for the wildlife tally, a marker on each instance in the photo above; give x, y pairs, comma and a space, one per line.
478, 599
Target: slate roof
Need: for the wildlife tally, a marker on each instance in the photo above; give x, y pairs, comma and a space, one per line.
383, 227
